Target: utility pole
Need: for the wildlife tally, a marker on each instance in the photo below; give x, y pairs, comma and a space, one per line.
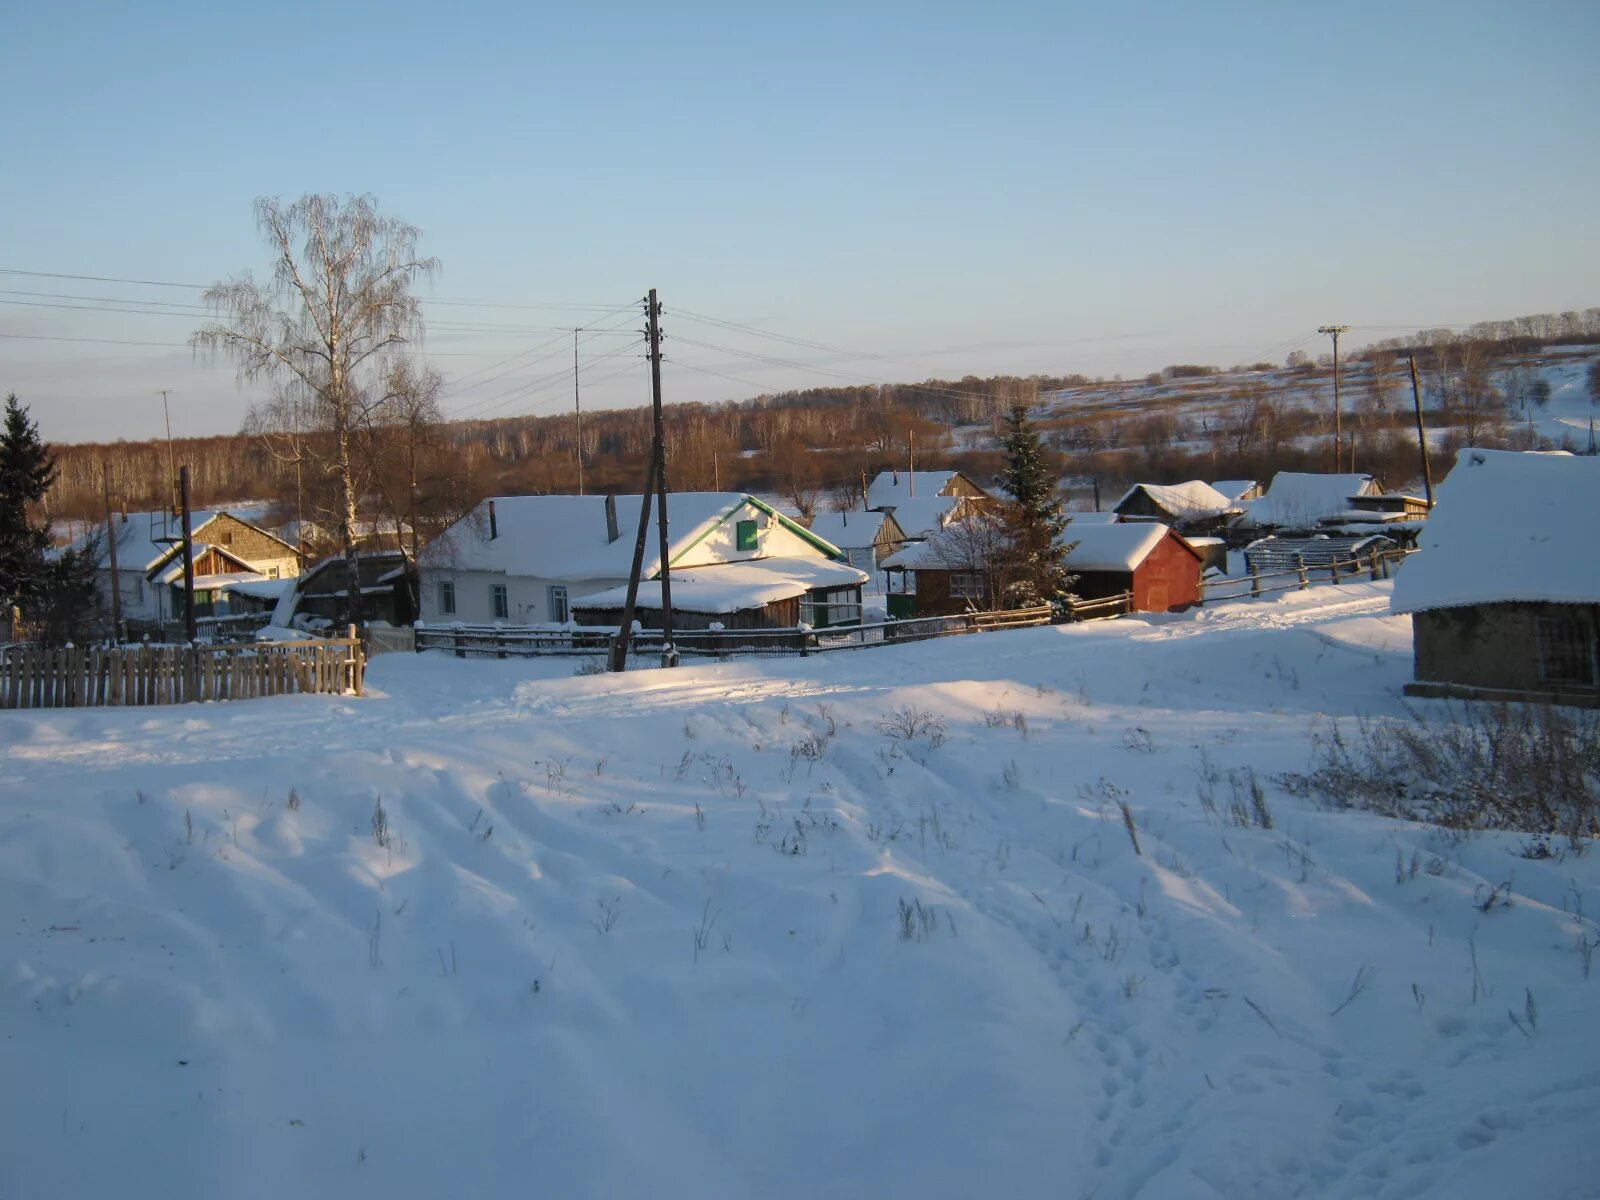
911, 474
669, 652
172, 470
1335, 331
619, 648
1422, 433
577, 408
189, 626
111, 549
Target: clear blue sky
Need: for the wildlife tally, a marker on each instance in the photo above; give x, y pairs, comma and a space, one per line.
1014, 187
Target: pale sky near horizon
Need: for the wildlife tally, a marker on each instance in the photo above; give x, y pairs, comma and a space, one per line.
937, 188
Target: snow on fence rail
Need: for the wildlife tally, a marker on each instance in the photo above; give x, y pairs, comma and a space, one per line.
1375, 565
80, 676
511, 642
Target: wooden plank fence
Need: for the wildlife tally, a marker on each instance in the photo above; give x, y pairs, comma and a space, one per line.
1376, 565
515, 642
83, 676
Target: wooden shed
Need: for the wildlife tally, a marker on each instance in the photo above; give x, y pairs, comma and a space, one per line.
1153, 562
1504, 594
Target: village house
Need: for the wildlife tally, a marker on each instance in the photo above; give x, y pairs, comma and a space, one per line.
1504, 593
1236, 491
228, 553
529, 560
867, 538
1300, 502
924, 502
388, 585
1153, 562
1192, 507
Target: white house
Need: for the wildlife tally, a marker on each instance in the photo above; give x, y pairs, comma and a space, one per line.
526, 560
227, 551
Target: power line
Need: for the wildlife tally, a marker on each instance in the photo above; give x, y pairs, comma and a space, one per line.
201, 287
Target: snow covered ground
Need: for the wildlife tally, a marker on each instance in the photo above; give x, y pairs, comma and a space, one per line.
860, 925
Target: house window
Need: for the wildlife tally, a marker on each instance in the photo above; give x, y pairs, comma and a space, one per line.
1566, 652
498, 601
272, 572
746, 535
447, 596
558, 603
966, 585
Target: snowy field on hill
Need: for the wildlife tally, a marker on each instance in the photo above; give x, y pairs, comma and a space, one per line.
868, 924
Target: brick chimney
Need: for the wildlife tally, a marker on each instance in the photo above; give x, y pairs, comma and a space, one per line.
494, 526
612, 532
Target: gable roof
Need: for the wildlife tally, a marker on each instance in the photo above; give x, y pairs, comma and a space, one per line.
920, 516
139, 534
1233, 489
1183, 501
565, 537
170, 566
728, 587
855, 530
1507, 526
1299, 499
896, 487
1120, 547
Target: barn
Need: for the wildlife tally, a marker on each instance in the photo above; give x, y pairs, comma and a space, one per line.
1504, 592
1193, 507
1156, 564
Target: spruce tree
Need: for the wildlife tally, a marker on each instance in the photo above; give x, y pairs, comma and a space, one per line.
27, 469
1035, 515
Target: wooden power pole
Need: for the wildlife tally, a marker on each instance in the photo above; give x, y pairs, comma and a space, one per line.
619, 647
1335, 331
669, 652
111, 550
1422, 433
189, 627
577, 408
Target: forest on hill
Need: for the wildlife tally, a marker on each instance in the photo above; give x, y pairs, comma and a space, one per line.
812, 447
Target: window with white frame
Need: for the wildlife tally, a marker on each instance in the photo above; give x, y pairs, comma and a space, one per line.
498, 601
966, 585
558, 602
447, 596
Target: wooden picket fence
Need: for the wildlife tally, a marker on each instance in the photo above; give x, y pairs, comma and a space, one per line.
81, 676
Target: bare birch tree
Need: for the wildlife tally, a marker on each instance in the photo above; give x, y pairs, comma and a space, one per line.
327, 326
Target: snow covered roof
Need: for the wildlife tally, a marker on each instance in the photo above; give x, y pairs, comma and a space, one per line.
1091, 518
138, 538
896, 487
565, 537
261, 589
1507, 526
1234, 489
921, 515
1299, 499
1189, 500
730, 587
1120, 547
851, 530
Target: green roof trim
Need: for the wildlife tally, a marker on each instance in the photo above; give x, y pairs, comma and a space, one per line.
828, 549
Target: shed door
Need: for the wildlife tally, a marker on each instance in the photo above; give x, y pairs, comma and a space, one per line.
1158, 596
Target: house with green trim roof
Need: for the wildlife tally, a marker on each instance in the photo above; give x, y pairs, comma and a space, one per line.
530, 560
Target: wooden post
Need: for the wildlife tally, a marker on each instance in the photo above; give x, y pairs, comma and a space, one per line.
1422, 433
1300, 566
669, 652
619, 647
1255, 579
111, 549
1333, 569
